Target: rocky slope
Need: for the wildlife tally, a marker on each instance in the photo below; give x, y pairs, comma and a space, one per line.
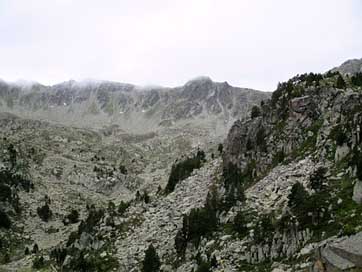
97, 104
283, 193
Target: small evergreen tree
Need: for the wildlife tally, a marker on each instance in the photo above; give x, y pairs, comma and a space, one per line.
203, 267
220, 148
340, 84
239, 224
111, 208
317, 179
38, 262
151, 262
44, 212
35, 249
255, 112
122, 207
71, 218
297, 198
5, 221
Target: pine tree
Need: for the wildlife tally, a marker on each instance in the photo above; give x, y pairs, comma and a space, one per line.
341, 84
220, 148
151, 263
255, 112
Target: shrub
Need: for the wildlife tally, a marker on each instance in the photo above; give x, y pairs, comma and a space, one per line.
151, 262
44, 212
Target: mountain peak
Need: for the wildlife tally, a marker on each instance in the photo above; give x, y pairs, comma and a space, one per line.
199, 80
351, 66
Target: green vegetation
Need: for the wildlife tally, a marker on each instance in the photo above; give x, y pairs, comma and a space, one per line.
340, 84
239, 224
44, 212
183, 169
39, 262
71, 218
200, 222
234, 181
203, 267
93, 219
260, 139
357, 79
264, 229
220, 148
357, 162
338, 135
255, 112
151, 262
5, 221
278, 157
91, 261
122, 207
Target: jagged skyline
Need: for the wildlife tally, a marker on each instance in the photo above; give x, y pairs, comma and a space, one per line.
246, 43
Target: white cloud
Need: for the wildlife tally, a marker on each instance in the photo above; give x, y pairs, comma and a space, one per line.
247, 43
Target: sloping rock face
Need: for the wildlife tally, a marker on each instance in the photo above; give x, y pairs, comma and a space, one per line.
343, 254
350, 67
162, 219
133, 109
309, 117
311, 124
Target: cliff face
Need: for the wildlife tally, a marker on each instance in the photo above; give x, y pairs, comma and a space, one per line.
308, 120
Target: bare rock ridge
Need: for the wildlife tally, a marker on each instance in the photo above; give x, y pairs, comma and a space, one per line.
350, 67
132, 108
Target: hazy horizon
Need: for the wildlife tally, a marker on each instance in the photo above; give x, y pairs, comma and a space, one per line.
250, 44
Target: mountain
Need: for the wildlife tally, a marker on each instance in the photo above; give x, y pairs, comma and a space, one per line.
96, 104
280, 189
350, 67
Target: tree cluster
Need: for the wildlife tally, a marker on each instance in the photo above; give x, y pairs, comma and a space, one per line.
198, 223
357, 79
183, 169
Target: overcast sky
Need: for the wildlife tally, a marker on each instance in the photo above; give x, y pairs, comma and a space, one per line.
248, 43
